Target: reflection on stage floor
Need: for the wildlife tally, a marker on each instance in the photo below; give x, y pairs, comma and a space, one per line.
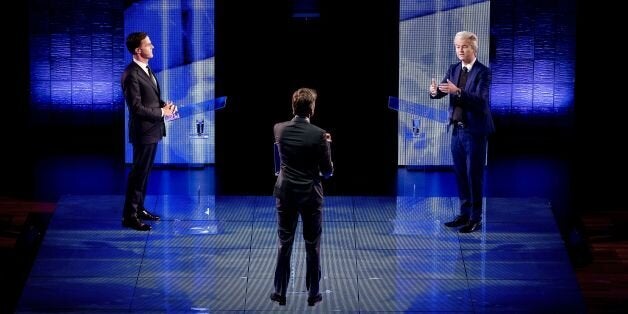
379, 254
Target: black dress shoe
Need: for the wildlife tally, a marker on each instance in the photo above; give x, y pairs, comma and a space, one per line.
471, 226
146, 215
135, 223
278, 298
457, 222
311, 300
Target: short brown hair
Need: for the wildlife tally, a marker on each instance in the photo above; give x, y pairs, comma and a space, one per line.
303, 101
134, 40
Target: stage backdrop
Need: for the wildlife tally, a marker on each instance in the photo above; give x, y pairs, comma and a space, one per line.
76, 54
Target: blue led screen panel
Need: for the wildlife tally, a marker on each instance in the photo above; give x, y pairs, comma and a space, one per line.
426, 49
183, 35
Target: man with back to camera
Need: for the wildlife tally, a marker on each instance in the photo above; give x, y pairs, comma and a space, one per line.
305, 158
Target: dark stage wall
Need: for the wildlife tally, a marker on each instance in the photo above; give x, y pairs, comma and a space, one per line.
349, 55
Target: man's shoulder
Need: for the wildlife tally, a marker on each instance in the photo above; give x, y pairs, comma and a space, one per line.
480, 65
314, 131
129, 73
132, 67
280, 124
316, 128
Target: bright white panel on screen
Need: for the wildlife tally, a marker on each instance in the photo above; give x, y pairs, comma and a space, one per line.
426, 49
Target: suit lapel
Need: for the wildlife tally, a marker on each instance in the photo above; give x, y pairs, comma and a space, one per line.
144, 76
471, 76
456, 75
155, 85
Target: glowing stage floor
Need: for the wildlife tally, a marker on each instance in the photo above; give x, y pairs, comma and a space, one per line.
379, 254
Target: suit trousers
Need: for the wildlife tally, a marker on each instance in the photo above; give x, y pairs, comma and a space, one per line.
143, 159
469, 155
287, 218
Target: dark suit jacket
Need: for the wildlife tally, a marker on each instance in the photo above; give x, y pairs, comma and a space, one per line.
143, 98
305, 157
474, 99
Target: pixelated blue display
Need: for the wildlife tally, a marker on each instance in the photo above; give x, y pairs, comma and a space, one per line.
183, 35
426, 33
531, 53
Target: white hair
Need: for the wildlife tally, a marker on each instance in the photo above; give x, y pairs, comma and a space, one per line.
469, 36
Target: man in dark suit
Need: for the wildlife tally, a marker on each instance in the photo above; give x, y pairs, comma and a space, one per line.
146, 127
305, 155
467, 84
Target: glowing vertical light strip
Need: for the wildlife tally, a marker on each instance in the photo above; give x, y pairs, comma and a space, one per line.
164, 14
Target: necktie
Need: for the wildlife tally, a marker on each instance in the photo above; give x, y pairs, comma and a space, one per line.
462, 80
150, 74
